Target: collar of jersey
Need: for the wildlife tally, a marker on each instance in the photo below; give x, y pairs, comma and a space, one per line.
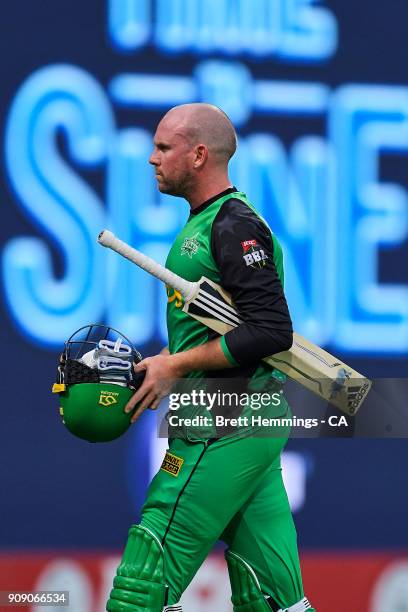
208, 203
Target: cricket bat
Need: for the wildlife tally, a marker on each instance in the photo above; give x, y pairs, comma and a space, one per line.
304, 362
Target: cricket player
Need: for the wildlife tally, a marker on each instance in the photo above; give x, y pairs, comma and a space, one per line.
226, 487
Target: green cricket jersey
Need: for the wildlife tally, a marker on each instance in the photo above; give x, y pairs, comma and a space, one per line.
226, 241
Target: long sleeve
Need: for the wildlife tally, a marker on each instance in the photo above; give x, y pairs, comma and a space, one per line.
247, 258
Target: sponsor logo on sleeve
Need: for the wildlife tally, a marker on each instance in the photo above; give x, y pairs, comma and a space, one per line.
253, 255
172, 464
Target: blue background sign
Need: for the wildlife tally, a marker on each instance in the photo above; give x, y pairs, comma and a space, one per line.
318, 94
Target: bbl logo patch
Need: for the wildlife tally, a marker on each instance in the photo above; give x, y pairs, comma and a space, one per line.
190, 246
108, 398
253, 255
172, 464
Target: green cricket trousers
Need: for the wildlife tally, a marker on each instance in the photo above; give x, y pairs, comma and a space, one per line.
227, 489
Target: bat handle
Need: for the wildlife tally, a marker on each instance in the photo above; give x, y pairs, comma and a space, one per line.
109, 240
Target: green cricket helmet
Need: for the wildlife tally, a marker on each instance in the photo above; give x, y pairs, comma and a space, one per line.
95, 380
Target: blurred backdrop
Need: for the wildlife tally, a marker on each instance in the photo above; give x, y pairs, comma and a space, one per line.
319, 96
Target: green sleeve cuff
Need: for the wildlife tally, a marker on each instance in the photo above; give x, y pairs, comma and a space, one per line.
227, 352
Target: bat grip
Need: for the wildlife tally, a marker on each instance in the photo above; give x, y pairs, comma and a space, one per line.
109, 240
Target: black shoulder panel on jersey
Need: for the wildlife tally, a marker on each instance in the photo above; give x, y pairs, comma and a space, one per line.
242, 247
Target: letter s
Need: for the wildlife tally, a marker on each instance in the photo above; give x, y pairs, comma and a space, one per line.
58, 99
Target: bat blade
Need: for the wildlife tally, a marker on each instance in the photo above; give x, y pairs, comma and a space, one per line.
325, 375
305, 362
